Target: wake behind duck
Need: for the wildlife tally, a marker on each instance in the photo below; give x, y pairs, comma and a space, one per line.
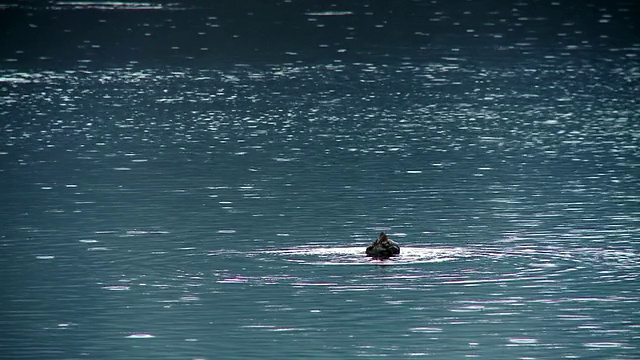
382, 251
321, 254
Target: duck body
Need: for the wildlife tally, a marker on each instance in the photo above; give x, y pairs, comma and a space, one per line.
383, 248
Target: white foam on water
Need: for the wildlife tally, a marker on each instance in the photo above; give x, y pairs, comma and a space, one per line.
355, 255
140, 336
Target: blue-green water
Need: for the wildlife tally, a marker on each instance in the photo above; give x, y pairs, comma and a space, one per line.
220, 210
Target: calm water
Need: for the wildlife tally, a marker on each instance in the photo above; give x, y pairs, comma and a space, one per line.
197, 181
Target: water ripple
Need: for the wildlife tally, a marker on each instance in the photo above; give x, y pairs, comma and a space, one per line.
355, 255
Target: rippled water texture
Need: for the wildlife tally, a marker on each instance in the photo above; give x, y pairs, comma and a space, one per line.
209, 195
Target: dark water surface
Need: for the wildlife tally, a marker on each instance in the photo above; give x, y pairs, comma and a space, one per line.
199, 181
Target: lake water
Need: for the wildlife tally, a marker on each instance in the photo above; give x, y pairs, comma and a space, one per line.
199, 181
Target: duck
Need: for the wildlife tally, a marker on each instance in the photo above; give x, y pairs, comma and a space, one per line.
383, 248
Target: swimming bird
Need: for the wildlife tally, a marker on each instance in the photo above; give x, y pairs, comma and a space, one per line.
383, 248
